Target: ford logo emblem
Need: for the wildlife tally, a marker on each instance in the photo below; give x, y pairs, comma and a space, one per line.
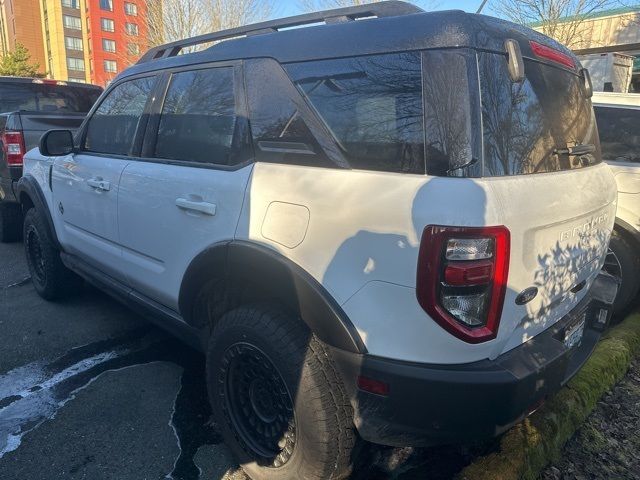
526, 295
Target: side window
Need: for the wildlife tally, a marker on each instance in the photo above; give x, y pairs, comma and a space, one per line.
198, 119
112, 127
373, 107
619, 135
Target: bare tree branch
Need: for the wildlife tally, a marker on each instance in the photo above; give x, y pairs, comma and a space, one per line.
563, 20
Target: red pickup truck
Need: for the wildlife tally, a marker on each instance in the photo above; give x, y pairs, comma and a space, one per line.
28, 108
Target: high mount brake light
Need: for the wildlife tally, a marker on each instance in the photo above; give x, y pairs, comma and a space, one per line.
548, 53
14, 149
462, 279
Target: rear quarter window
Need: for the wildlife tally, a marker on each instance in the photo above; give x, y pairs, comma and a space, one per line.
371, 105
619, 133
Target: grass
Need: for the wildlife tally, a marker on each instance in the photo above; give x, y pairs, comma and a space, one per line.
531, 445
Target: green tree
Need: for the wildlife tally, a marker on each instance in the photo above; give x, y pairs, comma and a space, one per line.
18, 64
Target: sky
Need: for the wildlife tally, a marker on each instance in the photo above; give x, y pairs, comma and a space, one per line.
291, 7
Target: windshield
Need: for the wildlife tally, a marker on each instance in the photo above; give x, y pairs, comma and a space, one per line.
36, 97
619, 136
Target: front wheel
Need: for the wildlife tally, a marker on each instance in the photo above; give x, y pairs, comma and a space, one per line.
51, 279
277, 398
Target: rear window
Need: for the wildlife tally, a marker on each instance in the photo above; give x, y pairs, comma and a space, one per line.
34, 97
372, 106
619, 133
525, 124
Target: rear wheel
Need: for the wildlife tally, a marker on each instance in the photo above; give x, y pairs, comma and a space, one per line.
51, 279
10, 222
278, 401
623, 262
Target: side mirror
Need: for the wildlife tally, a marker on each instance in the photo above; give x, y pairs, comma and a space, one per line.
56, 143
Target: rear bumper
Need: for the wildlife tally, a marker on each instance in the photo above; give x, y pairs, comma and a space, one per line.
8, 185
437, 404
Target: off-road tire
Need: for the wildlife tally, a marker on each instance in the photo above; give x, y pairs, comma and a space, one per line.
51, 279
325, 438
628, 256
10, 222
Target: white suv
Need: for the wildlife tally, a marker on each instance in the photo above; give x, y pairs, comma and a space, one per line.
375, 229
618, 116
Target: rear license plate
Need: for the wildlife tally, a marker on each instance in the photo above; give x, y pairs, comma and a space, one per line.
574, 332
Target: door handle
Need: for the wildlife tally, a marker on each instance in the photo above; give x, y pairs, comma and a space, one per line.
99, 184
198, 206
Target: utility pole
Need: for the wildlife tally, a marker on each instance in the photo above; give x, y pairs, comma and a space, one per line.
484, 2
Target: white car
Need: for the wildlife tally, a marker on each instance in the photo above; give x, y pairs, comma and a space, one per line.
618, 116
376, 230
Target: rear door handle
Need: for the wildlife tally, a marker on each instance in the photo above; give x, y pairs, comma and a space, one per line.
99, 184
198, 206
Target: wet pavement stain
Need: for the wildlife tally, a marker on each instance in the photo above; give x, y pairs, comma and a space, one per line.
33, 394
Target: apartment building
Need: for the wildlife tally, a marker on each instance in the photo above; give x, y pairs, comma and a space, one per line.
92, 40
20, 23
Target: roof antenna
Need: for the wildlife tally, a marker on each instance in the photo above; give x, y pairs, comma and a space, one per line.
484, 2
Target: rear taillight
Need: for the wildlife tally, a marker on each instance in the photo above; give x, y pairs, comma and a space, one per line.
14, 150
462, 279
548, 53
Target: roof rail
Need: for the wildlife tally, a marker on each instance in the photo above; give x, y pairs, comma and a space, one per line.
391, 8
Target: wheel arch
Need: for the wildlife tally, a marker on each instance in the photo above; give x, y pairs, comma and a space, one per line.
267, 274
629, 231
30, 195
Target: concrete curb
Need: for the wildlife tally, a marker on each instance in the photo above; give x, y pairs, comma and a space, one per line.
531, 445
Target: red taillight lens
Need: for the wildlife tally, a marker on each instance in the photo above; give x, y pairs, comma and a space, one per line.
13, 144
372, 385
462, 278
542, 51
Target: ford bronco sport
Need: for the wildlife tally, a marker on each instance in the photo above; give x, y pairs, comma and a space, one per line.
388, 227
618, 116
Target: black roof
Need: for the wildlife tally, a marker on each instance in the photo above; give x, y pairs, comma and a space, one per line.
400, 27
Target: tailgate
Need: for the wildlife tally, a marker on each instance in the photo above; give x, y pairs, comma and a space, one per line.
560, 226
36, 123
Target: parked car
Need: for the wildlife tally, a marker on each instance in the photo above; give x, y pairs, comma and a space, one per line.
389, 229
28, 108
618, 117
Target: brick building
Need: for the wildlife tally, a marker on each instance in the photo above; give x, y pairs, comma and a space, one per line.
20, 23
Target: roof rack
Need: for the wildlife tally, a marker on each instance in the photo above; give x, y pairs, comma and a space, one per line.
379, 10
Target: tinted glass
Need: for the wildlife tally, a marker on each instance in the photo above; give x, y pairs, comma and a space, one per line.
619, 133
198, 118
279, 125
452, 113
36, 97
112, 128
372, 106
526, 123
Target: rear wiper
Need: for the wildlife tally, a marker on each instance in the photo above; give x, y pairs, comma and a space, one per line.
473, 161
577, 150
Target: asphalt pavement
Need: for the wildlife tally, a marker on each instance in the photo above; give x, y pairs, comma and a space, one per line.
89, 390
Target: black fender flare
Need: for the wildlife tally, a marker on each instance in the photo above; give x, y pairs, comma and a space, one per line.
634, 233
29, 188
239, 260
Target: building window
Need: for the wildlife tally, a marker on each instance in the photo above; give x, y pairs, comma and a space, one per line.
110, 66
107, 25
130, 9
73, 23
71, 4
132, 29
133, 49
106, 5
108, 45
76, 64
73, 43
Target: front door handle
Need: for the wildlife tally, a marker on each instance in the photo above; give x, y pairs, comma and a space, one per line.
195, 205
99, 184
